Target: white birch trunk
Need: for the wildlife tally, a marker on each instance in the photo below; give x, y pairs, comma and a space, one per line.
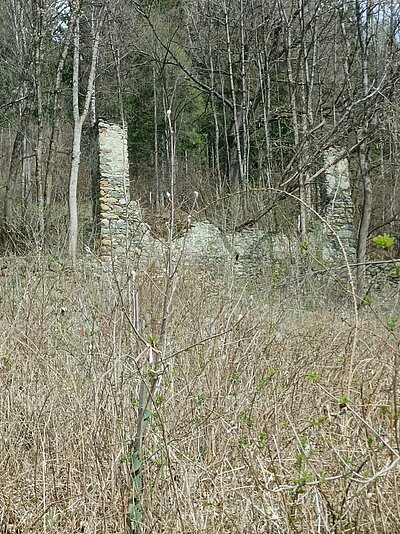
79, 119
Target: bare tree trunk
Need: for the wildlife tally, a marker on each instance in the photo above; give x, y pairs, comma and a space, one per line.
366, 213
49, 178
26, 170
12, 177
225, 119
76, 151
79, 119
306, 74
244, 133
156, 155
293, 88
39, 11
117, 64
363, 23
93, 104
236, 162
216, 125
21, 27
151, 379
265, 84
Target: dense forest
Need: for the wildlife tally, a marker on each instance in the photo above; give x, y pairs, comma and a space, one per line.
165, 399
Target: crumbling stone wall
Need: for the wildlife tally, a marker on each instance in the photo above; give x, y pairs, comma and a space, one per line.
120, 231
113, 210
338, 205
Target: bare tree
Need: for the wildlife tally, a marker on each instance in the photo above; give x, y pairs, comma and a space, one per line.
79, 117
39, 10
57, 112
17, 48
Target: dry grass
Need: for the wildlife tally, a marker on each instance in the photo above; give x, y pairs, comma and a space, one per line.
254, 429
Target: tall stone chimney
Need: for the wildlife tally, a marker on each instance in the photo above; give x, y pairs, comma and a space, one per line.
339, 207
111, 191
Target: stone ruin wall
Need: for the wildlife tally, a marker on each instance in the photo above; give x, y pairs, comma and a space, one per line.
339, 208
111, 191
120, 231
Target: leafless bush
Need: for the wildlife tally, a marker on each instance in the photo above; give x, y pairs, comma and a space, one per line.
255, 427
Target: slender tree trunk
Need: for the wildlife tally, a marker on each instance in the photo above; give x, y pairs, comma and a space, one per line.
244, 133
264, 80
236, 161
117, 64
73, 187
76, 151
216, 124
225, 119
366, 212
293, 88
156, 155
39, 102
26, 170
79, 119
12, 177
93, 99
55, 128
306, 75
363, 23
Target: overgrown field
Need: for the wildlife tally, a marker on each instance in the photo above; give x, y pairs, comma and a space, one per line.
277, 410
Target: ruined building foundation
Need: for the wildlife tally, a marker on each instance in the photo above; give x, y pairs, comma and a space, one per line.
120, 231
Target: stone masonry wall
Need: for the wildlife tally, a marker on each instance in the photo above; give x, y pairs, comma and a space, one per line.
339, 207
120, 230
113, 192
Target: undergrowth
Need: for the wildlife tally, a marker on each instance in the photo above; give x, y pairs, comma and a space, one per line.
256, 428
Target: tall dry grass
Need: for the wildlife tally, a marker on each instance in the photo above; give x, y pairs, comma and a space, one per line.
255, 428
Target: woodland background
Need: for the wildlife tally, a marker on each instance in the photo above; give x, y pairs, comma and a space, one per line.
257, 91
